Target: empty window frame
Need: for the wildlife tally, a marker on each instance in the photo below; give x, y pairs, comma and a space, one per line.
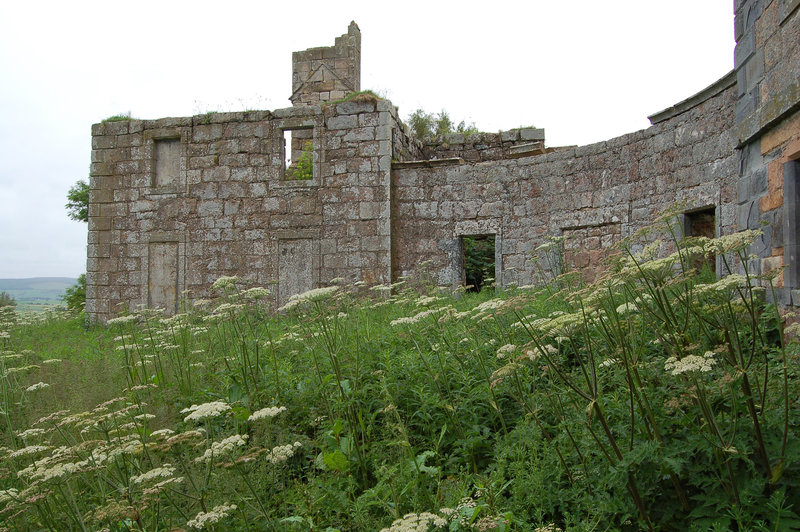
298, 154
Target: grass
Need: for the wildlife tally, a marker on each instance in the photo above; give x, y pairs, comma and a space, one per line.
118, 118
657, 398
365, 96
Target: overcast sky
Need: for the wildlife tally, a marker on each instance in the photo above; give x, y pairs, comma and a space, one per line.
584, 70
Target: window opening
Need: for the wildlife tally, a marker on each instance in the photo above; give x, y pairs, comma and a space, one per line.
479, 266
298, 154
702, 223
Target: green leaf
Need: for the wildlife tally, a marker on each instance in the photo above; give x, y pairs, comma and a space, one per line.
336, 461
240, 412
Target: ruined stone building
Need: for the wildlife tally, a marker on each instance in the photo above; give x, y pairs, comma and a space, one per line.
328, 188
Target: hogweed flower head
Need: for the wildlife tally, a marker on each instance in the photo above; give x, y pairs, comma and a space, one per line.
266, 413
165, 471
37, 386
225, 282
690, 364
203, 519
225, 446
205, 411
122, 320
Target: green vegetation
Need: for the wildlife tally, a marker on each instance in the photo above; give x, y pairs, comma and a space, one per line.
303, 168
7, 300
78, 201
479, 251
429, 126
118, 118
75, 296
364, 96
654, 398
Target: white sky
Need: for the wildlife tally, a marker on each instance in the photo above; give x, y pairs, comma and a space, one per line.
584, 70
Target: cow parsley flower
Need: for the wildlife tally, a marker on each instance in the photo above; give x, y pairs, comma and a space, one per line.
37, 386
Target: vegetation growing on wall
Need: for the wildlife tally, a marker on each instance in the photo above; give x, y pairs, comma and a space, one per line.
430, 126
118, 118
655, 398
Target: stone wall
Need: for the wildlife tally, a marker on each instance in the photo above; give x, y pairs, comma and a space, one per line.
486, 146
592, 195
176, 203
767, 62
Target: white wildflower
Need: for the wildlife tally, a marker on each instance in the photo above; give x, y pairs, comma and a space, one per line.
164, 471
37, 386
256, 293
225, 282
8, 495
417, 317
205, 410
492, 304
416, 522
29, 450
690, 363
281, 453
315, 294
506, 350
425, 301
268, 412
122, 320
30, 433
223, 447
209, 518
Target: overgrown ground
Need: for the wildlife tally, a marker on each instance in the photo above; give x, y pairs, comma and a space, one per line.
656, 398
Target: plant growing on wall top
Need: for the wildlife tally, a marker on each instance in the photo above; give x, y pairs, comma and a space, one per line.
429, 126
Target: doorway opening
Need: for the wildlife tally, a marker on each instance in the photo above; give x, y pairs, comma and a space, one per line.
479, 265
702, 222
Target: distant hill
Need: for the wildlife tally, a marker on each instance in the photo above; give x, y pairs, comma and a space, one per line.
37, 290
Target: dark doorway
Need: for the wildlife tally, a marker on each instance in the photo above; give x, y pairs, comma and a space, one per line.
702, 222
479, 268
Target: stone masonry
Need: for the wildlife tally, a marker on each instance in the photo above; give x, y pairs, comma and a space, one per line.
767, 63
176, 203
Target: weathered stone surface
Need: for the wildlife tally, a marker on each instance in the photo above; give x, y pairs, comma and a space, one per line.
177, 202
